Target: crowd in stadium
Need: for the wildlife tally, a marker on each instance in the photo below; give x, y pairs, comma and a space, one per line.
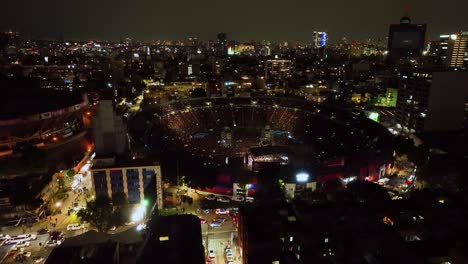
330, 132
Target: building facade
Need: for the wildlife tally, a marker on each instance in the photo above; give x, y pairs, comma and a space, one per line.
458, 51
108, 130
406, 39
109, 177
319, 39
277, 71
432, 101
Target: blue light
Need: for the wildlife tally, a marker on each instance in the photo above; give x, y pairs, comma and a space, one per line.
323, 39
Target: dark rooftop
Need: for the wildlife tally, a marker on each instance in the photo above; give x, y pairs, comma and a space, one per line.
23, 97
270, 150
111, 161
101, 253
173, 240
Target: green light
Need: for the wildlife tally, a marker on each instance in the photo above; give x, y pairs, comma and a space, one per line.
374, 116
145, 202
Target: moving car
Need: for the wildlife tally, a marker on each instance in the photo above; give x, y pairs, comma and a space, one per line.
74, 226
223, 199
238, 198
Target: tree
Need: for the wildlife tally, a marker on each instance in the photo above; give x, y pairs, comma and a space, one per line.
70, 173
99, 213
119, 199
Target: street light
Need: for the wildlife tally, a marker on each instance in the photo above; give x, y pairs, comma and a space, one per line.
138, 214
58, 204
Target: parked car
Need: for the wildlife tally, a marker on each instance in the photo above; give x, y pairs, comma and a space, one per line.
211, 254
215, 224
26, 254
238, 198
56, 234
220, 219
223, 199
75, 226
22, 244
229, 258
52, 243
38, 259
2, 236
222, 211
210, 197
249, 199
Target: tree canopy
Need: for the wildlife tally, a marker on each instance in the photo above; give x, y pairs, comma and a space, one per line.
99, 213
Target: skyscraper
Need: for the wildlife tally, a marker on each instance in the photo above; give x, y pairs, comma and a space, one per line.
431, 101
406, 39
319, 39
221, 46
457, 55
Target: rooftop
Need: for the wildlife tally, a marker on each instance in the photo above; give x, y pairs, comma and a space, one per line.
174, 240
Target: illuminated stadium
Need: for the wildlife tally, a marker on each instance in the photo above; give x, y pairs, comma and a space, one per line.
262, 130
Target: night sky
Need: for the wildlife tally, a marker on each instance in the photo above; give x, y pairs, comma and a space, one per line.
242, 19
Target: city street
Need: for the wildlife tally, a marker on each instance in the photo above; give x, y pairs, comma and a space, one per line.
217, 238
59, 221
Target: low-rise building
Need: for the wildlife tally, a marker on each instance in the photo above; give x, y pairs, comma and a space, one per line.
111, 175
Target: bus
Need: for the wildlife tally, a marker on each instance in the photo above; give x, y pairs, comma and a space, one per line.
20, 238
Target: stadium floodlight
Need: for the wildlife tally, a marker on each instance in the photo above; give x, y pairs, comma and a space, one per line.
302, 177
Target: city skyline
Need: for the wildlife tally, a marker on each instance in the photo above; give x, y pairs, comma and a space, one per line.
243, 21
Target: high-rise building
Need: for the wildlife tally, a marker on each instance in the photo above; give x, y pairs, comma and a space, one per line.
319, 39
406, 39
456, 50
441, 48
432, 101
108, 130
222, 44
